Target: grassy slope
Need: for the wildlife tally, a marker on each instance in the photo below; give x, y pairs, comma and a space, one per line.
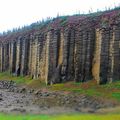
108, 91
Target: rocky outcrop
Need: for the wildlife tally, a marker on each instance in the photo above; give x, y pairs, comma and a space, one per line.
19, 99
79, 48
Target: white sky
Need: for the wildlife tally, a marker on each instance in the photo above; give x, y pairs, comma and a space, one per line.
15, 13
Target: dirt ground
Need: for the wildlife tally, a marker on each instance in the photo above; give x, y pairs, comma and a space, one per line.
16, 99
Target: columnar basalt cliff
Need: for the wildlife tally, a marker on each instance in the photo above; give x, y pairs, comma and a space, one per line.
78, 48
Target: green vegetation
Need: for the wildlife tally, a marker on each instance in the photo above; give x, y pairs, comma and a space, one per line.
18, 79
61, 117
63, 20
23, 80
116, 95
24, 117
108, 91
37, 25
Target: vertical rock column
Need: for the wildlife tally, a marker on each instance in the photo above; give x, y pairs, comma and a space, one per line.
47, 65
111, 56
64, 69
43, 62
60, 52
104, 63
40, 56
85, 44
54, 56
12, 56
1, 57
18, 55
116, 48
37, 72
97, 58
51, 57
71, 70
78, 52
89, 54
30, 56
24, 56
6, 57
34, 56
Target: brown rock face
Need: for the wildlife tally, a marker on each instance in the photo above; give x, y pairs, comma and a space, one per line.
83, 48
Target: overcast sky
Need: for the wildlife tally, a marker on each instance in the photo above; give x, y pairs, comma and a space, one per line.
15, 13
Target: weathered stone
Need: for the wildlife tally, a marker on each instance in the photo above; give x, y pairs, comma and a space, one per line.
86, 48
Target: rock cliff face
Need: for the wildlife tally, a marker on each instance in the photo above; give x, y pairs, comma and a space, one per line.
78, 48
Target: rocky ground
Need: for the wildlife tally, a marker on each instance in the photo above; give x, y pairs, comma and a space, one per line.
17, 99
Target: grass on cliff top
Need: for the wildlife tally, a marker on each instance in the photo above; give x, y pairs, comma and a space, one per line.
61, 117
109, 91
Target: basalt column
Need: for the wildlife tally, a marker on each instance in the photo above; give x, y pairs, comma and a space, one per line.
18, 55
6, 57
84, 47
51, 57
87, 69
107, 54
116, 53
64, 69
24, 55
54, 53
2, 57
33, 55
37, 70
78, 48
78, 52
83, 55
47, 64
111, 56
30, 55
12, 56
104, 63
60, 52
97, 56
43, 62
71, 48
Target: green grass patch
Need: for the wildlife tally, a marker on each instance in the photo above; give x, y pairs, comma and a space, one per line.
61, 117
23, 80
108, 91
116, 95
24, 117
76, 87
17, 79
